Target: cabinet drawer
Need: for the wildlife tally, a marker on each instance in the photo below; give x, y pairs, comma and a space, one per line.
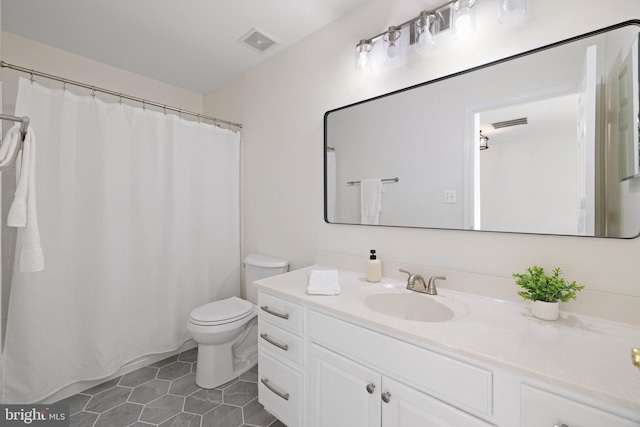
280, 390
541, 408
280, 343
286, 314
465, 386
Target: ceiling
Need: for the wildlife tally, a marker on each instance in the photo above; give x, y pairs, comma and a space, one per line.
191, 44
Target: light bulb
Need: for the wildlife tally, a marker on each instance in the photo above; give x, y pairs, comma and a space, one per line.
392, 46
511, 10
363, 62
464, 24
363, 65
424, 38
426, 42
392, 50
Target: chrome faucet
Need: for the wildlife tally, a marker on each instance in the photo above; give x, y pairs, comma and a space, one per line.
429, 288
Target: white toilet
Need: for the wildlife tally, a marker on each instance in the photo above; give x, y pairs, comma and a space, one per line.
227, 330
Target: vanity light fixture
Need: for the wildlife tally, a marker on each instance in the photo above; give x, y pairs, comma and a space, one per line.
484, 142
417, 32
511, 10
420, 31
464, 18
424, 40
392, 44
363, 62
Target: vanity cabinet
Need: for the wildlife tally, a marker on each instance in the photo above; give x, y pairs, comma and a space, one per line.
345, 393
324, 362
363, 378
281, 358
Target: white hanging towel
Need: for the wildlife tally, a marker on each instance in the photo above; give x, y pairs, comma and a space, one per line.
10, 146
23, 209
370, 200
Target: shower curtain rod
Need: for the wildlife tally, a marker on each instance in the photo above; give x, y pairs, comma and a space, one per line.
94, 89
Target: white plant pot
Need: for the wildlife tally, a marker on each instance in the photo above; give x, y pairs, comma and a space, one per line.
545, 310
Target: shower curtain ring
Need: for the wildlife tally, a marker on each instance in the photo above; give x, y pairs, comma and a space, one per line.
64, 85
120, 98
93, 91
31, 78
144, 104
165, 110
180, 113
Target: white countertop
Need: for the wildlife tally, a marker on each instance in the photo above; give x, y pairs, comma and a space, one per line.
586, 355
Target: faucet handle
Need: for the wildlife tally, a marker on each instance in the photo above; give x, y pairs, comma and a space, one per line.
431, 287
410, 283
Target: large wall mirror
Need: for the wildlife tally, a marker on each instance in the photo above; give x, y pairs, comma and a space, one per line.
561, 126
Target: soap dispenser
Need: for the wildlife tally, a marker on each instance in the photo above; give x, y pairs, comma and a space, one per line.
373, 268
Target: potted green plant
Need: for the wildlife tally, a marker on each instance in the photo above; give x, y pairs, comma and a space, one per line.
545, 292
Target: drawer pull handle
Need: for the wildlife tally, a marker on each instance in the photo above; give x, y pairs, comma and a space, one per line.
265, 337
386, 397
265, 381
275, 313
560, 425
635, 357
370, 388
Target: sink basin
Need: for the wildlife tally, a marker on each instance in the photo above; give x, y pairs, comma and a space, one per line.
409, 305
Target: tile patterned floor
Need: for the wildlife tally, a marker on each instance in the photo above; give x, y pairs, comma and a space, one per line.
165, 394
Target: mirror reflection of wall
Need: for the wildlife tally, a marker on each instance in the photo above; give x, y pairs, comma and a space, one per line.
514, 195
551, 176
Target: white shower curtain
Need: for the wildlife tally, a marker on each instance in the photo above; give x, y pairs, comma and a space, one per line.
139, 222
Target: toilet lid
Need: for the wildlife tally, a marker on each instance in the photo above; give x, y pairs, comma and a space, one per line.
223, 311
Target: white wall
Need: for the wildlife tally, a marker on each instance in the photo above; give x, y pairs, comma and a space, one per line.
27, 53
282, 103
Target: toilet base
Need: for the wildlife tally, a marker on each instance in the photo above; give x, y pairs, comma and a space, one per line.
220, 368
219, 364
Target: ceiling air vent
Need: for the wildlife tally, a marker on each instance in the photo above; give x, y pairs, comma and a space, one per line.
257, 41
508, 123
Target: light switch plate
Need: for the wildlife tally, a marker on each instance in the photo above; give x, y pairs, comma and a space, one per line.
450, 196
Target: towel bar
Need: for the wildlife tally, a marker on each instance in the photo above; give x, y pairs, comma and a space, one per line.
396, 179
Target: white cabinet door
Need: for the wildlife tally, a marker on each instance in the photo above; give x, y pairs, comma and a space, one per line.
342, 393
407, 407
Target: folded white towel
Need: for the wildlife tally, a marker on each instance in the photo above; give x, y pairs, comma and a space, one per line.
23, 211
370, 200
323, 282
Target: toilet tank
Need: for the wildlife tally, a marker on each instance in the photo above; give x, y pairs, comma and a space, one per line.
260, 266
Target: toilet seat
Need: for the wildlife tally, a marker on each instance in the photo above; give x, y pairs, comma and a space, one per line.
220, 312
